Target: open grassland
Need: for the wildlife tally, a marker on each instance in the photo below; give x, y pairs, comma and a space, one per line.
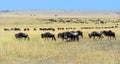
39, 51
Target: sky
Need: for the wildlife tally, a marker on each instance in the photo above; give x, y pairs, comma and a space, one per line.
60, 5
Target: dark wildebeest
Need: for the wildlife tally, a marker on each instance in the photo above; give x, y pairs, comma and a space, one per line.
6, 29
95, 34
109, 34
48, 35
26, 29
35, 29
17, 29
12, 28
22, 35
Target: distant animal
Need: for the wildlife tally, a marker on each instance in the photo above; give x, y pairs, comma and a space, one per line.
17, 29
26, 29
35, 29
47, 35
12, 28
22, 35
60, 28
109, 34
95, 34
6, 29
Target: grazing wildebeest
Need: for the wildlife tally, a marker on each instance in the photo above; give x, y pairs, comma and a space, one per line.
70, 36
12, 28
17, 29
26, 29
95, 34
35, 29
47, 35
22, 35
60, 28
6, 29
109, 34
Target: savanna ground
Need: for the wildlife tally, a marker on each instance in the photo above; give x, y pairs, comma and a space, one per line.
39, 51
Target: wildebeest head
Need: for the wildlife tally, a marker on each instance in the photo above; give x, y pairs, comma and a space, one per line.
89, 35
42, 35
80, 33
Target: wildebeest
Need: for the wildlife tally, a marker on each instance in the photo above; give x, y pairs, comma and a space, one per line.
60, 28
17, 29
47, 35
95, 34
109, 34
6, 29
70, 35
22, 35
35, 29
26, 29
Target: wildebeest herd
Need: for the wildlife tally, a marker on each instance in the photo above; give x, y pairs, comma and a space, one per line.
28, 29
71, 36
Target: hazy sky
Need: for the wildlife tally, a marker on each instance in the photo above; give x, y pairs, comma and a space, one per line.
60, 4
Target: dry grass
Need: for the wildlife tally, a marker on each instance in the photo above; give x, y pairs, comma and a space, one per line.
39, 51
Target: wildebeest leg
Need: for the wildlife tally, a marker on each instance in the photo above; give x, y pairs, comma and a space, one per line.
45, 38
77, 38
48, 38
82, 36
25, 38
94, 37
114, 37
28, 38
62, 39
108, 37
100, 37
54, 38
18, 38
71, 39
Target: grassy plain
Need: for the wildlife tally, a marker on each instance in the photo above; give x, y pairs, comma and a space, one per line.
39, 51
